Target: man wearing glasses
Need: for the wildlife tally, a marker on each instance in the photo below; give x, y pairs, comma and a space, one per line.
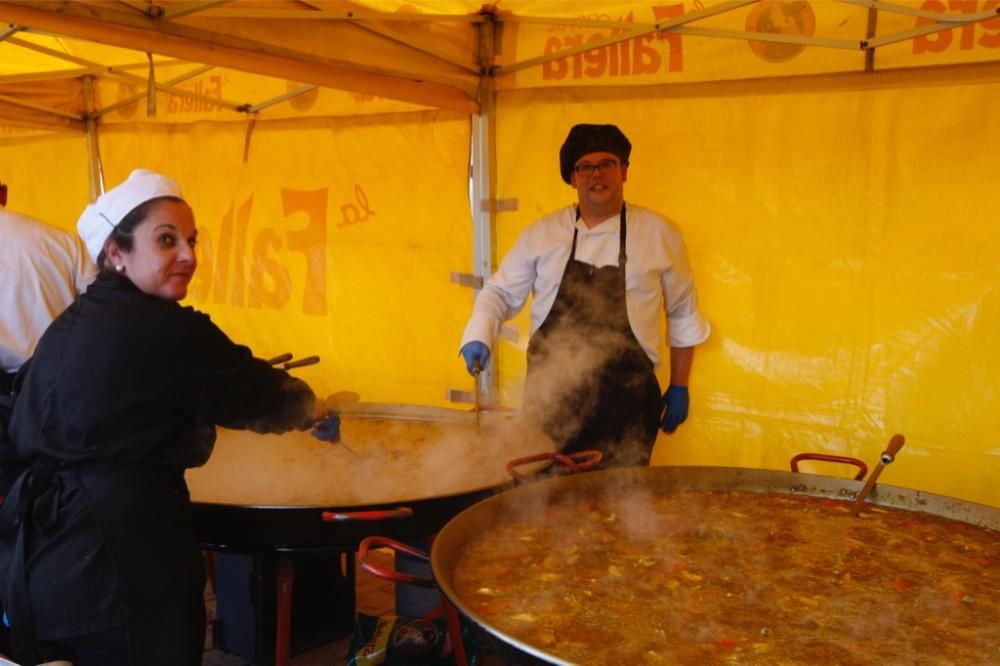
598, 271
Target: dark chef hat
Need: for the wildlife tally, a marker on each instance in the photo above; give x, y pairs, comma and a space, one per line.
584, 139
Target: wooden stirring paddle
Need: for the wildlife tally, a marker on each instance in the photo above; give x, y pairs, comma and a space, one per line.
895, 444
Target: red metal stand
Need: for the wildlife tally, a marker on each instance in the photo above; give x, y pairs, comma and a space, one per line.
450, 613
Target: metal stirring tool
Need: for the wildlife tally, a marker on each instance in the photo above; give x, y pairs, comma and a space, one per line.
895, 444
475, 379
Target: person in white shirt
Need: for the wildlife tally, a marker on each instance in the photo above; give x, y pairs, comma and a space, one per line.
42, 270
598, 272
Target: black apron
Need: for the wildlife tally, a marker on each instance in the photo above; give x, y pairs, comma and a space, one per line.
9, 385
142, 515
7, 382
590, 384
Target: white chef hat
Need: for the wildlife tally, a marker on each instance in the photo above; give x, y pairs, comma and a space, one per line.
100, 218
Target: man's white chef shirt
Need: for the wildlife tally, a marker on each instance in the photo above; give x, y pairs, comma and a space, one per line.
656, 267
42, 270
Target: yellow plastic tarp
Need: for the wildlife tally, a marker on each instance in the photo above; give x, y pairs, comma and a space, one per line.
334, 238
844, 252
837, 207
45, 174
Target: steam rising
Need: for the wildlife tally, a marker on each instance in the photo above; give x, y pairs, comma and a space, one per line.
567, 381
377, 460
609, 569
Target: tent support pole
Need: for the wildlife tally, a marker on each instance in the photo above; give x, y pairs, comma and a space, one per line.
483, 177
95, 168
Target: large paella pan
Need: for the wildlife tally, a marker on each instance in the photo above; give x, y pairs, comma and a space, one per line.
707, 565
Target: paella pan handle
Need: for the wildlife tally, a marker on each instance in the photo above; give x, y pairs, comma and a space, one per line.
860, 464
571, 463
285, 362
299, 362
281, 358
397, 577
381, 514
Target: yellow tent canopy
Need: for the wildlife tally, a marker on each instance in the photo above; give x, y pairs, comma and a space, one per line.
357, 168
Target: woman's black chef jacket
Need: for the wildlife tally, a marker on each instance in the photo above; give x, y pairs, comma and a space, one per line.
124, 392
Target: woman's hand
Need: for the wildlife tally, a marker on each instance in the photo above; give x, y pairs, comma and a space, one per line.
327, 424
327, 428
320, 409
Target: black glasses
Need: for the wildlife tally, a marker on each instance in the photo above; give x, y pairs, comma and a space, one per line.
587, 168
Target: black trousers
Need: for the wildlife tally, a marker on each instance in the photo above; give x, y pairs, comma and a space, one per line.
107, 648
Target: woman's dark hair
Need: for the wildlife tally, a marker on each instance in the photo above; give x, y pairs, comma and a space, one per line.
122, 233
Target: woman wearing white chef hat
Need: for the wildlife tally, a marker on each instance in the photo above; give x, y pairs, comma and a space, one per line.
99, 560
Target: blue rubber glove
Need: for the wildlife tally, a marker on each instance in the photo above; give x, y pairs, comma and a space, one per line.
675, 401
327, 428
475, 351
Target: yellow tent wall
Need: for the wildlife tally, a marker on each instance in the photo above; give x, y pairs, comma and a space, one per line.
843, 249
836, 204
335, 238
59, 160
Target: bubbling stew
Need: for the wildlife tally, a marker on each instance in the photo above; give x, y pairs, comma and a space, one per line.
737, 578
376, 460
